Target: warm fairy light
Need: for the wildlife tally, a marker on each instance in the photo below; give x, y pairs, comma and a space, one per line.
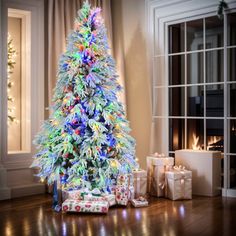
41, 180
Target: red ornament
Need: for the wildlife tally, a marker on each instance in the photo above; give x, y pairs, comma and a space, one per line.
66, 155
77, 131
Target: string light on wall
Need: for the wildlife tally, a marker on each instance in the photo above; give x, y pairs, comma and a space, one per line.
11, 55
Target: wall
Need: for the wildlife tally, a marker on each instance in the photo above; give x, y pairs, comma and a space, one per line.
129, 44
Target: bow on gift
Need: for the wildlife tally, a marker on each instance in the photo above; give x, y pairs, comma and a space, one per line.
179, 168
156, 154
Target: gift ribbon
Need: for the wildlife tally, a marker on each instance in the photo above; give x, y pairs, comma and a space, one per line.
182, 170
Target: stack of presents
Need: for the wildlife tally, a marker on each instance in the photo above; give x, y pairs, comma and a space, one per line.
162, 179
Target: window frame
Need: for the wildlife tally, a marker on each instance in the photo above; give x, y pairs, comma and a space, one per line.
23, 159
159, 16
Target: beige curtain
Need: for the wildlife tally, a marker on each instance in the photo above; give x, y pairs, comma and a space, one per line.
61, 15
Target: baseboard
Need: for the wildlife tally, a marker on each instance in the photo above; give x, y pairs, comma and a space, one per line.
27, 190
229, 193
5, 193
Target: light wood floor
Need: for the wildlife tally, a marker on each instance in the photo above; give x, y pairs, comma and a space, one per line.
200, 216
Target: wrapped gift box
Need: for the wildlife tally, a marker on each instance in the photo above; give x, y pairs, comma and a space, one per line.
156, 168
206, 169
71, 205
179, 184
140, 202
111, 198
140, 183
74, 194
107, 197
122, 195
112, 189
125, 179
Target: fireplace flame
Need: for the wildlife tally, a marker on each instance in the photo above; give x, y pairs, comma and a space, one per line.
213, 140
195, 145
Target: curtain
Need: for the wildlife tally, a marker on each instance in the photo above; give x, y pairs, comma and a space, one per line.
60, 15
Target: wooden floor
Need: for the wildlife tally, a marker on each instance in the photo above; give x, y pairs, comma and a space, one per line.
200, 216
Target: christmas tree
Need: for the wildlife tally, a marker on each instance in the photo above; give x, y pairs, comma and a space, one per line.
86, 139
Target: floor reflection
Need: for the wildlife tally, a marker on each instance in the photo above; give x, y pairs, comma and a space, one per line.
161, 217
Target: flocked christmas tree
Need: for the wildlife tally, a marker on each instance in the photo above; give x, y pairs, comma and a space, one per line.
86, 140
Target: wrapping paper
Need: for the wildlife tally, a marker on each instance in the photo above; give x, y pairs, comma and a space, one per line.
110, 198
140, 202
140, 183
179, 184
156, 168
85, 206
74, 194
122, 195
112, 189
125, 179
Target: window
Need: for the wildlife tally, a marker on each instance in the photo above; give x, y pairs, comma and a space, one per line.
19, 64
200, 86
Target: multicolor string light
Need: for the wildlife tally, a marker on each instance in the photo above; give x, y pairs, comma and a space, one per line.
86, 140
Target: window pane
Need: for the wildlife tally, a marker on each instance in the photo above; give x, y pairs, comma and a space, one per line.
176, 101
232, 100
176, 38
19, 132
14, 84
176, 69
195, 35
195, 68
215, 66
195, 134
232, 134
215, 135
232, 64
160, 107
195, 101
232, 171
214, 32
159, 67
215, 100
231, 23
176, 134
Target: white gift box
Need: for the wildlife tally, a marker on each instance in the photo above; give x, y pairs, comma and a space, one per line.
178, 184
206, 168
156, 168
139, 202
